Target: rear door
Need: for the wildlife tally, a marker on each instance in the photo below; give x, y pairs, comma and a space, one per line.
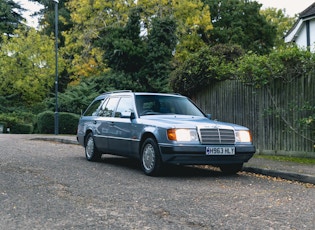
87, 121
103, 124
120, 127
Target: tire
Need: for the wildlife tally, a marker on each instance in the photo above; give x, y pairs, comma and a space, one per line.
231, 168
91, 152
151, 161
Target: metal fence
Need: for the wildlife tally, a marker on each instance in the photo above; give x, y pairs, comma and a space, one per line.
273, 113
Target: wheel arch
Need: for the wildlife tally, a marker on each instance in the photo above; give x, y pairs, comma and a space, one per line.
86, 135
145, 136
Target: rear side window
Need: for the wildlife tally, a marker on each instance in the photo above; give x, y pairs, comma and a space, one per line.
93, 108
109, 107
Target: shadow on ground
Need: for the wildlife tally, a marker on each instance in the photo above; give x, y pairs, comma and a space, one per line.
168, 170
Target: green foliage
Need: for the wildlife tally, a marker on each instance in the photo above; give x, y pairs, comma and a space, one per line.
17, 122
292, 62
209, 65
10, 16
282, 22
22, 128
47, 21
3, 126
8, 121
283, 65
124, 50
91, 19
161, 43
75, 98
119, 80
308, 121
26, 69
256, 70
286, 63
68, 122
46, 122
300, 160
239, 22
138, 63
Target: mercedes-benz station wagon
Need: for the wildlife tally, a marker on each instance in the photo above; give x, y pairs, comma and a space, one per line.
159, 129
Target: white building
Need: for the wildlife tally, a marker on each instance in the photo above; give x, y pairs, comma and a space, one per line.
303, 31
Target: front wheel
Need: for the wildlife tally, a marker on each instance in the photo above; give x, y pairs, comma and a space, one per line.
151, 161
91, 152
231, 168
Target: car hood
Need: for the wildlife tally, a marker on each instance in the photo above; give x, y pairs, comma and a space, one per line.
186, 121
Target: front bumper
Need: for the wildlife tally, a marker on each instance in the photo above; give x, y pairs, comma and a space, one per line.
196, 155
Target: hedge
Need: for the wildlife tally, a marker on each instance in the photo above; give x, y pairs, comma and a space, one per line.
68, 122
13, 124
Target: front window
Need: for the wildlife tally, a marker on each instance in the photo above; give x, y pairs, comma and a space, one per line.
161, 104
125, 106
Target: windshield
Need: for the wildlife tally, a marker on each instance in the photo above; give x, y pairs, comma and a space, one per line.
160, 104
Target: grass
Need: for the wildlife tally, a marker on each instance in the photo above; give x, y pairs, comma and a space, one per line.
301, 160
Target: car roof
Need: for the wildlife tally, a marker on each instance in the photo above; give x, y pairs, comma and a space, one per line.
128, 92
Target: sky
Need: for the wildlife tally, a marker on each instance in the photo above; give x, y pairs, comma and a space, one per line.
31, 8
291, 7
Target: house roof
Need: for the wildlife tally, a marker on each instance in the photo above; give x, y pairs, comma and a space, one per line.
308, 12
305, 15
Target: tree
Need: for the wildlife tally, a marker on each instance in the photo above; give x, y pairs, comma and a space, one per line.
124, 50
47, 19
205, 67
47, 27
285, 63
281, 21
193, 22
10, 17
145, 61
27, 66
91, 17
157, 66
239, 22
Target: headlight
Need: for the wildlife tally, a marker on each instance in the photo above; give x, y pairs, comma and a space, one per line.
182, 135
243, 136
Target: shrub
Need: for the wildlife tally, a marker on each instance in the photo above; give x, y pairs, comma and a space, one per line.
22, 128
68, 122
16, 123
46, 122
3, 125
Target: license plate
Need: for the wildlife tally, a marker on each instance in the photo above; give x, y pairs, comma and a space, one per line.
220, 150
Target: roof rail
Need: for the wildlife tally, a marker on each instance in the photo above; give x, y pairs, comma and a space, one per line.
118, 91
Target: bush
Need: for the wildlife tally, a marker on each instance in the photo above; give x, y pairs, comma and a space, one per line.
16, 123
205, 67
3, 125
68, 122
46, 122
22, 128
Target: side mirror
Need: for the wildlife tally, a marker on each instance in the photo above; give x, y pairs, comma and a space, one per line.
209, 116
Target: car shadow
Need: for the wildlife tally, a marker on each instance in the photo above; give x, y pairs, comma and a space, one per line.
168, 171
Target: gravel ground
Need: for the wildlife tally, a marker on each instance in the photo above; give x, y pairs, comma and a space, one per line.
49, 185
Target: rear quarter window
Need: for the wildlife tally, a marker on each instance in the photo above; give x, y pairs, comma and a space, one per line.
93, 108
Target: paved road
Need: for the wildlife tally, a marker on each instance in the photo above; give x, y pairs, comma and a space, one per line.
49, 185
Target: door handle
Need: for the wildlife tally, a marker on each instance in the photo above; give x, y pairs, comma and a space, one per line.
94, 122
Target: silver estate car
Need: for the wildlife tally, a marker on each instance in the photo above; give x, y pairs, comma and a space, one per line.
161, 129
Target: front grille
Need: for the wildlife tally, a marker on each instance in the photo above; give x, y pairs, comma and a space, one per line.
217, 136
